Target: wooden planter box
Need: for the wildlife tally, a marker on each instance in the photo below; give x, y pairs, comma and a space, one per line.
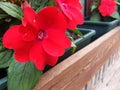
77, 70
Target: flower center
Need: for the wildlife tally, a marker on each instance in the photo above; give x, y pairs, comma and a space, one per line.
41, 35
65, 5
66, 9
107, 7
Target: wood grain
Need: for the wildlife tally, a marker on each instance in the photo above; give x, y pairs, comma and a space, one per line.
111, 75
75, 71
107, 78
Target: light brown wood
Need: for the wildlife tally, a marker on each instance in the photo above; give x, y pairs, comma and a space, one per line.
111, 75
108, 77
75, 71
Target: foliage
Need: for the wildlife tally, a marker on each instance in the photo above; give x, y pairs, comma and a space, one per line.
11, 9
25, 17
6, 56
22, 76
98, 14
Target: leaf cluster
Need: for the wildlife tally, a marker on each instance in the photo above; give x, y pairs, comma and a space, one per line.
21, 76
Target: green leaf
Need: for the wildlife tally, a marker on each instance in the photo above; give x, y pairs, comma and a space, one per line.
74, 47
6, 56
93, 7
12, 9
118, 2
78, 32
95, 17
3, 16
22, 76
115, 15
39, 4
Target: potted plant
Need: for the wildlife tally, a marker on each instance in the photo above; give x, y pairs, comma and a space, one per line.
5, 60
103, 17
78, 41
35, 37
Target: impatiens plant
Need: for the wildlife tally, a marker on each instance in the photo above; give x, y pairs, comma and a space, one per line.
33, 39
37, 37
72, 11
103, 9
107, 7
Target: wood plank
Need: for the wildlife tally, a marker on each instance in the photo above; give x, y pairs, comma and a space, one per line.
108, 76
74, 72
111, 78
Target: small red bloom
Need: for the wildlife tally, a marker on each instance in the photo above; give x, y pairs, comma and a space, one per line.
107, 7
72, 11
40, 38
25, 4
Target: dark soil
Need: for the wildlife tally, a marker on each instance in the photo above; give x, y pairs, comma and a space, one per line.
3, 73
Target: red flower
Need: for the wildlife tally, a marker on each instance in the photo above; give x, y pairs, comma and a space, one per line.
107, 7
40, 38
25, 4
72, 11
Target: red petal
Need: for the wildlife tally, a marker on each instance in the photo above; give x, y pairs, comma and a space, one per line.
22, 53
28, 33
51, 60
38, 56
67, 5
64, 7
52, 48
51, 17
30, 18
77, 19
107, 7
56, 44
25, 4
59, 38
72, 10
29, 14
77, 16
12, 38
